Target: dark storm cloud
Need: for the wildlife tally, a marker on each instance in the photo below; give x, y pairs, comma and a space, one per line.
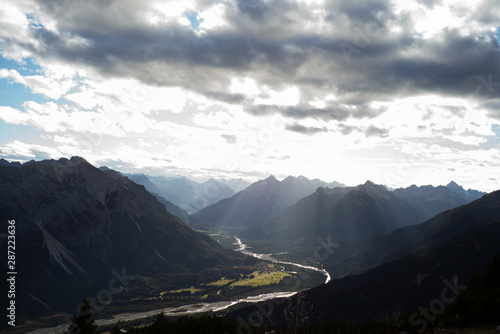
359, 60
305, 130
256, 9
357, 11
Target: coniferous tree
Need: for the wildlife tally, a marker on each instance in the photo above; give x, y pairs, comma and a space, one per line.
84, 321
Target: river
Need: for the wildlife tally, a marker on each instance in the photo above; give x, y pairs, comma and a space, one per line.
199, 307
243, 249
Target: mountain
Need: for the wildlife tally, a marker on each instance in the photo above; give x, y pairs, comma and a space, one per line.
352, 217
411, 282
258, 203
434, 200
78, 228
363, 210
181, 191
470, 194
430, 279
358, 254
4, 162
182, 214
236, 184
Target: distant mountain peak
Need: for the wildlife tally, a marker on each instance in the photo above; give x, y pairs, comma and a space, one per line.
302, 178
293, 180
454, 185
76, 159
372, 185
271, 178
4, 162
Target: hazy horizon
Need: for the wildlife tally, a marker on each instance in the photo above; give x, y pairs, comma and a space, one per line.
278, 177
396, 92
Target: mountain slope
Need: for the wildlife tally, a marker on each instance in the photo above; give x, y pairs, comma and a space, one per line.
411, 282
422, 279
357, 255
257, 203
76, 225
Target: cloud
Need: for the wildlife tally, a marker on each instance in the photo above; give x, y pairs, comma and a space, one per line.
274, 42
52, 85
301, 112
304, 129
230, 139
373, 131
378, 79
493, 108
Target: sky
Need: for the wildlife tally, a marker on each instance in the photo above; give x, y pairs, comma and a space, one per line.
398, 92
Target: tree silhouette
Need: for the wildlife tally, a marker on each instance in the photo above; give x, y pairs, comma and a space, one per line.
84, 322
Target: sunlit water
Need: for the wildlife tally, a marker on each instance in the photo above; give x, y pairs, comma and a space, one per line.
268, 257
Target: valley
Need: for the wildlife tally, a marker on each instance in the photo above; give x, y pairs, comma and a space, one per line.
275, 243
268, 282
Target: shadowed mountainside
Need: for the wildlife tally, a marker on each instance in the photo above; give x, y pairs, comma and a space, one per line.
76, 225
414, 281
259, 202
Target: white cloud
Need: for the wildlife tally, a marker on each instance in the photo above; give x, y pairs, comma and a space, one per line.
30, 151
53, 84
286, 97
246, 86
212, 17
163, 12
129, 95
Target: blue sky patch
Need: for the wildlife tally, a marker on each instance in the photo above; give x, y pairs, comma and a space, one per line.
193, 18
27, 67
493, 142
13, 94
34, 22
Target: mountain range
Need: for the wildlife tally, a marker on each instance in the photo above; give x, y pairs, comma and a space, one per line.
413, 267
434, 200
350, 212
185, 193
260, 201
367, 209
78, 227
359, 254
